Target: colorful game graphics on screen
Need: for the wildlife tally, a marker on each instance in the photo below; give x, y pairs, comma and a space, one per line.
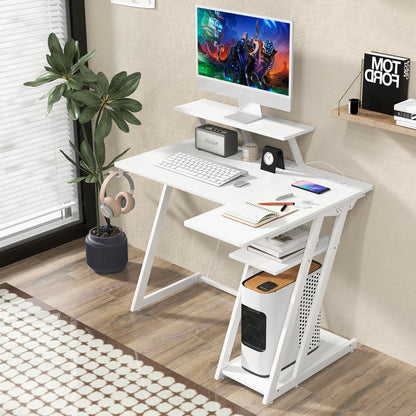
243, 49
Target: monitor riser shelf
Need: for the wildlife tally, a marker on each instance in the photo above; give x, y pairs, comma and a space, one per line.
273, 127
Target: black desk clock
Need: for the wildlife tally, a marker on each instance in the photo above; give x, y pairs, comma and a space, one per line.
271, 159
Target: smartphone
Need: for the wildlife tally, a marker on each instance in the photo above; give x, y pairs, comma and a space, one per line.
311, 187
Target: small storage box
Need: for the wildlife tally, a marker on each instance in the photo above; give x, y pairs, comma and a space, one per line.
264, 304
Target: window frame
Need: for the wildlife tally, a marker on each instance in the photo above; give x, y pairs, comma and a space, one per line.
46, 241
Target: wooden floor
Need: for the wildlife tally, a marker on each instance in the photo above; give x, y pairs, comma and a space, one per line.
185, 333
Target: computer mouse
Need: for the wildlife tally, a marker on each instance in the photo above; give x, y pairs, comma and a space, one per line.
240, 184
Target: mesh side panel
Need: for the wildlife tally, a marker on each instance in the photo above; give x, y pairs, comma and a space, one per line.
305, 308
253, 328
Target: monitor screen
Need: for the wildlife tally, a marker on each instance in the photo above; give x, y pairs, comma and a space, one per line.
246, 57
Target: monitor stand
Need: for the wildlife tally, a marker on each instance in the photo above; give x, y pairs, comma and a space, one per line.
247, 112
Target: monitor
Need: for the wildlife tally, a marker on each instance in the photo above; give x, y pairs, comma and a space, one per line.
246, 57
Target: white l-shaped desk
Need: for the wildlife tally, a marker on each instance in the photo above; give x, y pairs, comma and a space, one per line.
336, 203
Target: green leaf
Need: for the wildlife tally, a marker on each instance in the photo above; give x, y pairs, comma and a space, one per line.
121, 124
68, 93
125, 104
55, 95
102, 83
87, 155
87, 114
84, 59
91, 178
103, 128
42, 79
111, 164
76, 150
54, 45
85, 77
87, 97
74, 84
76, 180
117, 82
73, 109
129, 117
69, 159
99, 151
70, 49
60, 64
45, 95
84, 167
87, 73
131, 84
49, 59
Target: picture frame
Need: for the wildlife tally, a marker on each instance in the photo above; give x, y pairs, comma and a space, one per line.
146, 4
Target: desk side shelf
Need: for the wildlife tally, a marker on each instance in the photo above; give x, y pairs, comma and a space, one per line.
276, 128
372, 119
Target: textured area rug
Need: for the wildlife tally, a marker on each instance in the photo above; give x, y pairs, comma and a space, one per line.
51, 364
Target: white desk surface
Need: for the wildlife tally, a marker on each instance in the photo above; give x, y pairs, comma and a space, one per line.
143, 165
263, 186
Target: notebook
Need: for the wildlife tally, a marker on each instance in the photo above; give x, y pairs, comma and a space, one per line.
286, 243
255, 215
282, 259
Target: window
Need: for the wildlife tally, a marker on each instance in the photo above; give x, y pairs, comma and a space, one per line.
35, 195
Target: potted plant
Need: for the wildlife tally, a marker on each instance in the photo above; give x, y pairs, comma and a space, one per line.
90, 96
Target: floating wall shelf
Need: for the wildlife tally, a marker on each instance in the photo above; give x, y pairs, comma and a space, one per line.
372, 119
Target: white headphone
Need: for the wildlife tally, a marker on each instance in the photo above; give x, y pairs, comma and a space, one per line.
123, 203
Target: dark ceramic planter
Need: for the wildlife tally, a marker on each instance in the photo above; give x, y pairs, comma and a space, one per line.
106, 255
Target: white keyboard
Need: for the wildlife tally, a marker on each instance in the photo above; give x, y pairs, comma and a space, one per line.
203, 170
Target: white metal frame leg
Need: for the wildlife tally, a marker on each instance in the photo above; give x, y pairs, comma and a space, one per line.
297, 155
139, 299
320, 291
151, 249
293, 308
276, 389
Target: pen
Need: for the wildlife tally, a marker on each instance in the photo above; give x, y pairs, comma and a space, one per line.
284, 207
276, 203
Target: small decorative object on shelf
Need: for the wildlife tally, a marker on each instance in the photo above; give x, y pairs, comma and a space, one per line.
353, 105
250, 152
385, 81
271, 159
217, 140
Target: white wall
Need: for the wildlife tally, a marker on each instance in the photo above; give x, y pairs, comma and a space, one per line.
373, 285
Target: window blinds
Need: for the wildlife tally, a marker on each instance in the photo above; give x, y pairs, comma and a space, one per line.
35, 194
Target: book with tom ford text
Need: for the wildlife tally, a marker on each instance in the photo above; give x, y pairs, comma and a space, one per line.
385, 81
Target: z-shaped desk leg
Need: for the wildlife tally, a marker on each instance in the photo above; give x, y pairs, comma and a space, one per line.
140, 299
151, 250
